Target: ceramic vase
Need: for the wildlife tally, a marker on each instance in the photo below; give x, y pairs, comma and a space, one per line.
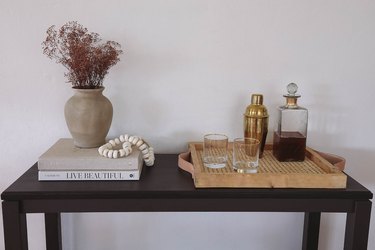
88, 115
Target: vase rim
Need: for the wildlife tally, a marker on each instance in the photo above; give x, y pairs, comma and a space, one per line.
101, 87
89, 90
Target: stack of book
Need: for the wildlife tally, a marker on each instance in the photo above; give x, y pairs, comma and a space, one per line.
65, 162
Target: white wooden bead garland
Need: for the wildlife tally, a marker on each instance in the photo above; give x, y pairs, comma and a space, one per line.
108, 150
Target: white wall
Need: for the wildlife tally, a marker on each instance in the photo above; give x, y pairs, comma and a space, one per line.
189, 68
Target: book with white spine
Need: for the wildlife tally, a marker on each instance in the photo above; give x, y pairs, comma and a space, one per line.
90, 175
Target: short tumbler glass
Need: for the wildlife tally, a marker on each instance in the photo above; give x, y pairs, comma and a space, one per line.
246, 155
215, 150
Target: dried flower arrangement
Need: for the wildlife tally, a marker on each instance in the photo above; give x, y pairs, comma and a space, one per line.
85, 56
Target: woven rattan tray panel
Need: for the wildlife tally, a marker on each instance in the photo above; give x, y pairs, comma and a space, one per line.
314, 172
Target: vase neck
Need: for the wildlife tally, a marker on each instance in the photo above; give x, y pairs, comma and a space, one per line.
97, 91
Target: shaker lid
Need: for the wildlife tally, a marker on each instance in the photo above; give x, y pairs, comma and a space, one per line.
257, 99
292, 90
256, 109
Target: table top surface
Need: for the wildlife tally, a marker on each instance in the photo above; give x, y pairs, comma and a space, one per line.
163, 180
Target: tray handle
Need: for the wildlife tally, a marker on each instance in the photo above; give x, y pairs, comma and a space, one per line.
185, 163
335, 160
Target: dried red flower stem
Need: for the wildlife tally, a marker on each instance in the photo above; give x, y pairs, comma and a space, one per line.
83, 54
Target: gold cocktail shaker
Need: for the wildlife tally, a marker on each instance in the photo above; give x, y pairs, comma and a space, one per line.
256, 121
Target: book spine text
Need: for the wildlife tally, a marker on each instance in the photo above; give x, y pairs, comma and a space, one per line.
88, 175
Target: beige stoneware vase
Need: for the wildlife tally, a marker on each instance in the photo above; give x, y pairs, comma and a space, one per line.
88, 114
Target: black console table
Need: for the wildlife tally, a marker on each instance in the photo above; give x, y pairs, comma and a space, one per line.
164, 187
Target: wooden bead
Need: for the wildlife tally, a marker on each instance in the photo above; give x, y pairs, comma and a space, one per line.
122, 138
122, 152
115, 154
130, 139
126, 137
143, 146
126, 145
101, 149
146, 155
149, 163
135, 140
139, 143
112, 142
110, 153
127, 151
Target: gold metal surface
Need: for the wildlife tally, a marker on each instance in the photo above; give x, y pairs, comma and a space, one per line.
291, 102
256, 121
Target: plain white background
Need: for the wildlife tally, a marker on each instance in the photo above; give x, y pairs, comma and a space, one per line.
189, 68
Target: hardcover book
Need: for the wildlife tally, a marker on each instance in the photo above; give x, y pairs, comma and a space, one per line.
65, 162
90, 175
64, 156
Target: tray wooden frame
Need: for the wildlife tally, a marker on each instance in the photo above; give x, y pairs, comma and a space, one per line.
316, 172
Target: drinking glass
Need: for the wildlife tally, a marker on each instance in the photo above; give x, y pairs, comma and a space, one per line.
246, 155
215, 150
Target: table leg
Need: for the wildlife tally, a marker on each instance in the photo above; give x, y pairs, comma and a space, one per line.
357, 226
311, 231
53, 231
15, 226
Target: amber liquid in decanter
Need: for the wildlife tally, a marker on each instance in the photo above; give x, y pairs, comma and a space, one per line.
289, 146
